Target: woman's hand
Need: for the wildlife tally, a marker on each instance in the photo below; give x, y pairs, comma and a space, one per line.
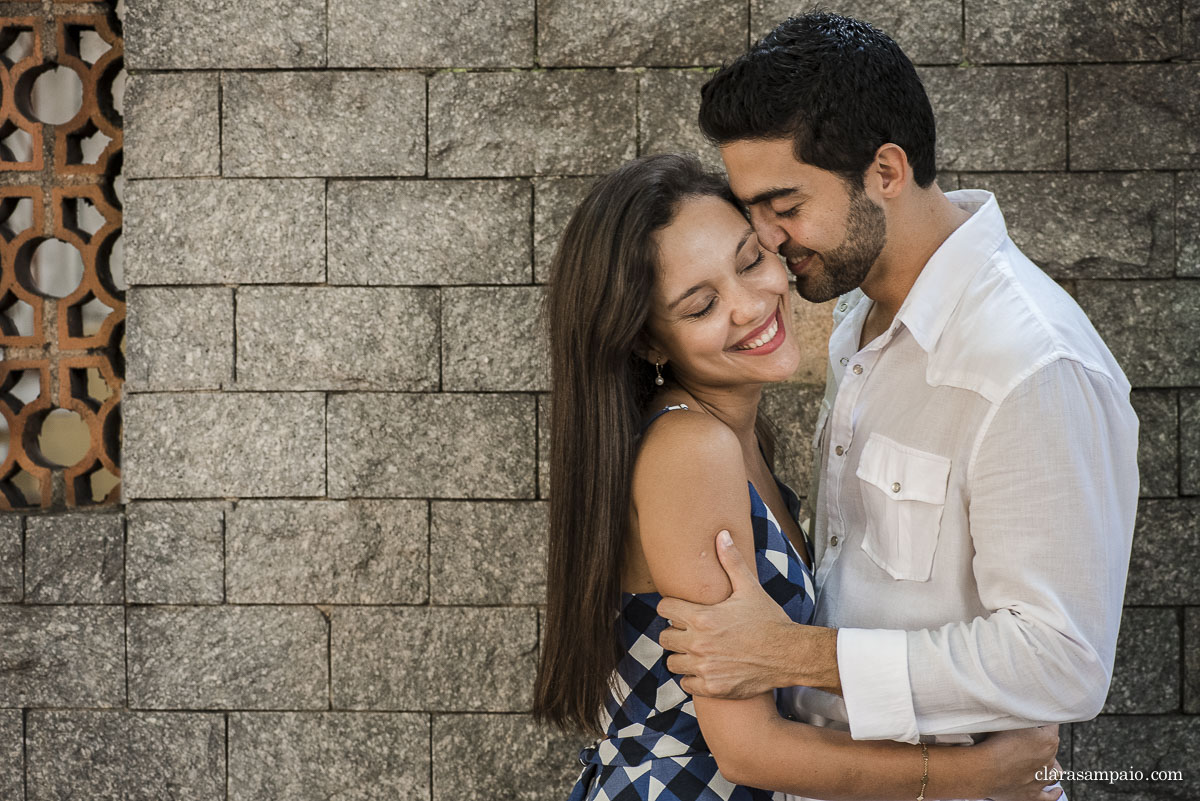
1023, 763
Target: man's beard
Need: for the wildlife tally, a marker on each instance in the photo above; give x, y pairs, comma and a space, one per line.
844, 268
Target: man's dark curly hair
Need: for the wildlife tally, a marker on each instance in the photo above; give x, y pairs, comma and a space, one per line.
837, 86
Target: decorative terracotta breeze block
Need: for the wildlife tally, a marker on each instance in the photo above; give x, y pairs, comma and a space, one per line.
70, 199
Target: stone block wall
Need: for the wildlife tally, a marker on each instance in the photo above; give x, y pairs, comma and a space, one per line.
325, 577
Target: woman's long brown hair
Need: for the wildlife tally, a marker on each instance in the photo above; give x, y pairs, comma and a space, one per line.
596, 306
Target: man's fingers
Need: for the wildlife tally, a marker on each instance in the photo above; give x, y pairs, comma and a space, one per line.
739, 572
673, 640
681, 665
677, 611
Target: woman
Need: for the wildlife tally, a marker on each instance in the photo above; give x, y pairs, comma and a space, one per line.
666, 319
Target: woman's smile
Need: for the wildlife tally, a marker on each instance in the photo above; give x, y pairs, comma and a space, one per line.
764, 339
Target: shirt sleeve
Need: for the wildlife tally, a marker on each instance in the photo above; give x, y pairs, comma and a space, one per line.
1053, 495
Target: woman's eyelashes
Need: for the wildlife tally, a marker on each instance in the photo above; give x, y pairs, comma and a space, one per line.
713, 300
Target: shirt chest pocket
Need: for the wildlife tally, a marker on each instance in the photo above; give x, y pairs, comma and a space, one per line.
904, 495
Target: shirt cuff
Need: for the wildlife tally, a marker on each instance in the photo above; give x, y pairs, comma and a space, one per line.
873, 667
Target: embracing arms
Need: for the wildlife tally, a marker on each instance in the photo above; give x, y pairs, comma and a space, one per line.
689, 478
1053, 491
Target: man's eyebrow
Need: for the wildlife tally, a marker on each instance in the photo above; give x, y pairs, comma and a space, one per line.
693, 290
771, 194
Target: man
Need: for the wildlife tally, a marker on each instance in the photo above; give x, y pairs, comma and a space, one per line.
975, 473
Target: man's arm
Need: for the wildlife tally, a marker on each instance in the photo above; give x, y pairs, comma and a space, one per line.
1053, 497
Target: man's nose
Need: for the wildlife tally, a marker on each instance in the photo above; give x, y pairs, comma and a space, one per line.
770, 235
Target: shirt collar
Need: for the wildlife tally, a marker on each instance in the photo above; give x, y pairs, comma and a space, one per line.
943, 280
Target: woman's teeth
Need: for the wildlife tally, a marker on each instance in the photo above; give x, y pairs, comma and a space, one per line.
764, 338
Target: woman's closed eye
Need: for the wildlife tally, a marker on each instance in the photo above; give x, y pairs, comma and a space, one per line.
713, 300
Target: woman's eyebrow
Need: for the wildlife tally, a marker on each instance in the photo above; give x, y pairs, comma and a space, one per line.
742, 242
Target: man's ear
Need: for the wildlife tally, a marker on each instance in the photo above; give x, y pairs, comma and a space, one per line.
889, 172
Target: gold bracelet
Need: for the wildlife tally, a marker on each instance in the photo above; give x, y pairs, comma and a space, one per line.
924, 771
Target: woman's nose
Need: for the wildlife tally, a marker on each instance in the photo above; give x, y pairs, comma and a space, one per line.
749, 307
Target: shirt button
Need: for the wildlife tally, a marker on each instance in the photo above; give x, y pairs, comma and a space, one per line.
839, 450
842, 306
844, 361
858, 369
896, 487
833, 541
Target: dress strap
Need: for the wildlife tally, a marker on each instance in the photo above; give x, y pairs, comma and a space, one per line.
659, 414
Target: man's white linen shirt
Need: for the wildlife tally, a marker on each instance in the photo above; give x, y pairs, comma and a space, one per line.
975, 489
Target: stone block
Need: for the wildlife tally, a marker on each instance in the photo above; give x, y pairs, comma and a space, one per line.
1190, 44
1187, 222
62, 656
1138, 117
530, 123
1191, 660
792, 408
668, 108
1126, 746
1158, 441
812, 323
928, 31
328, 122
488, 553
1100, 225
1146, 673
315, 756
174, 552
554, 200
456, 34
224, 34
1166, 539
999, 118
336, 552
1072, 30
208, 231
493, 339
11, 559
12, 754
417, 232
433, 446
134, 756
178, 338
502, 756
218, 444
172, 125
442, 659
543, 438
228, 657
577, 33
1189, 442
325, 337
75, 558
1151, 327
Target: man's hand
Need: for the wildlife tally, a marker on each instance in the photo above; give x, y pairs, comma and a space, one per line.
744, 645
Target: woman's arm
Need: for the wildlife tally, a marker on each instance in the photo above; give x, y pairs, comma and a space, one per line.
689, 481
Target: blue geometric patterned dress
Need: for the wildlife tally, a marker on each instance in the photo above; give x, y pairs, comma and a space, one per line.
653, 749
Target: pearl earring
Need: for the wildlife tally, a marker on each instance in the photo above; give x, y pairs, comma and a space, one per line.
658, 380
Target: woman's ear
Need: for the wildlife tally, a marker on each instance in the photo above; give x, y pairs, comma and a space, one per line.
644, 349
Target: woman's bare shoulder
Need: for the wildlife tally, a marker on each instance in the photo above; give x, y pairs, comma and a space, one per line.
688, 454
